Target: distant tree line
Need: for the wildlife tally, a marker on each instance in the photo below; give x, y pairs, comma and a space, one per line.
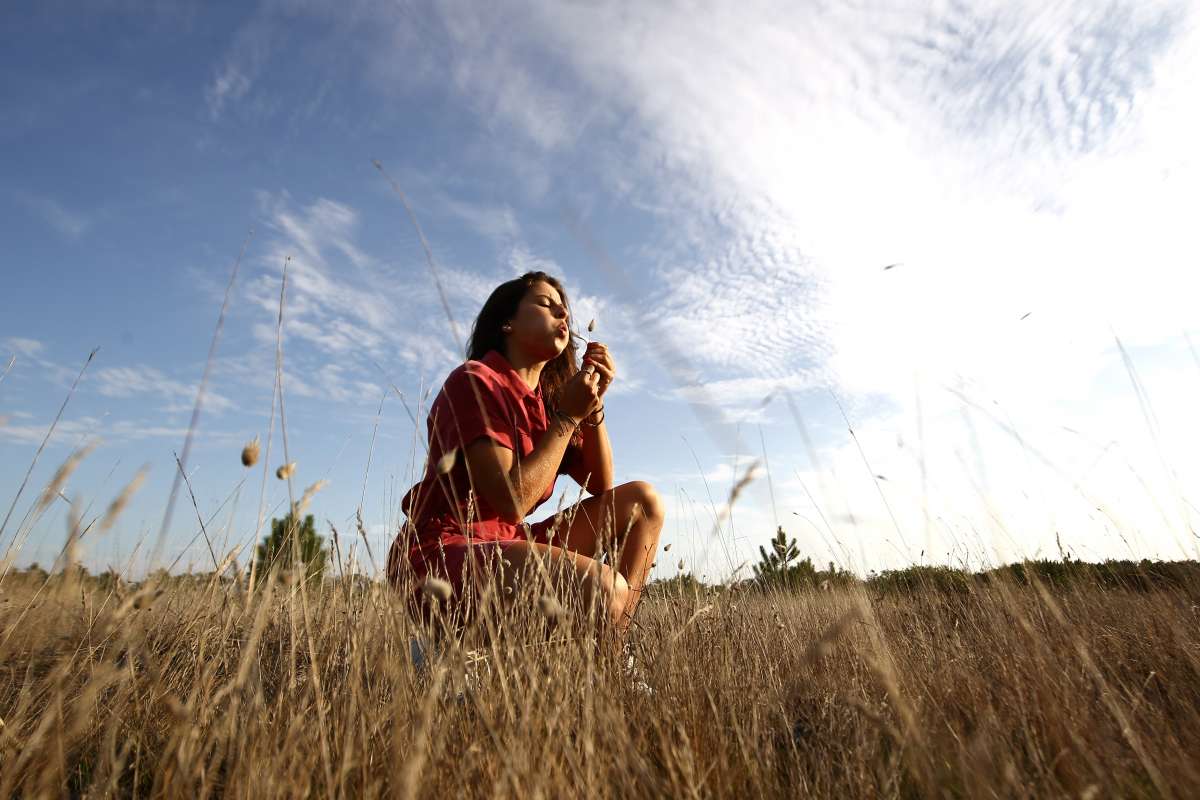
781, 568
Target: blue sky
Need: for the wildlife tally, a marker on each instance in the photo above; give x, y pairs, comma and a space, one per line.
721, 187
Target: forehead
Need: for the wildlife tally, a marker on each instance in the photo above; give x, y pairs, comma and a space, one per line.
541, 288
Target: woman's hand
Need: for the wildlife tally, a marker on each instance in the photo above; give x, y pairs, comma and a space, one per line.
580, 395
596, 356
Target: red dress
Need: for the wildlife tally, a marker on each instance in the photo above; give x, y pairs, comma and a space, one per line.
447, 522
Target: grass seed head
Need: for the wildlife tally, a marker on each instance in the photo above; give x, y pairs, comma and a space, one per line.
551, 609
446, 462
120, 501
250, 453
285, 472
61, 474
681, 565
666, 547
437, 588
307, 497
591, 326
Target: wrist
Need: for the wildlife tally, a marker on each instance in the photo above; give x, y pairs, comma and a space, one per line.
566, 418
591, 420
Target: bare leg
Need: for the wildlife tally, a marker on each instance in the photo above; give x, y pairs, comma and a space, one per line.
636, 515
585, 578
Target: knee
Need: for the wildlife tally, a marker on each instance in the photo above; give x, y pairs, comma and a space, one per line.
646, 496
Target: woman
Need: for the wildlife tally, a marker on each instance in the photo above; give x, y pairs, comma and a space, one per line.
504, 425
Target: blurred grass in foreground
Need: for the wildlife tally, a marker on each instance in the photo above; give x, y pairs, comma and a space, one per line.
897, 688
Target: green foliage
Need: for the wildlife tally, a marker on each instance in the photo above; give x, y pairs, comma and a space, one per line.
685, 584
278, 551
782, 568
776, 565
1138, 576
944, 580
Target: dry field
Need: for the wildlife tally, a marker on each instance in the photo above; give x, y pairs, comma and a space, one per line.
194, 689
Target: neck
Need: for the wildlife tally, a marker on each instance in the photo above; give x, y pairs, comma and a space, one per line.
529, 368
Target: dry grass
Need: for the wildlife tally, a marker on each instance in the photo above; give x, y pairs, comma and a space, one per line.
195, 689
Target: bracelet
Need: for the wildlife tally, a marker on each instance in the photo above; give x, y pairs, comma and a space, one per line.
558, 412
597, 423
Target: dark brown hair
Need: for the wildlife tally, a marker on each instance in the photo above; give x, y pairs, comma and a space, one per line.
487, 335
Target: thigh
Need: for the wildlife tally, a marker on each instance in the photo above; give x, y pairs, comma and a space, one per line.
585, 526
567, 575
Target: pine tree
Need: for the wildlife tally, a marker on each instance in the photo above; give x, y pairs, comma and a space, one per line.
782, 566
277, 551
774, 565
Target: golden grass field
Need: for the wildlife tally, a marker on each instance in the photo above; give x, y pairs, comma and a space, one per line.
194, 689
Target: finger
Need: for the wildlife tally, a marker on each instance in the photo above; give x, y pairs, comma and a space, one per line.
602, 362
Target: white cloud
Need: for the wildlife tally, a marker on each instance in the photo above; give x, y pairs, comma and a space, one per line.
1029, 167
347, 313
141, 380
76, 430
229, 84
68, 222
239, 68
23, 347
1014, 160
495, 222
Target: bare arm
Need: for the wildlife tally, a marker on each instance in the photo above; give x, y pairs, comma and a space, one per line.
513, 488
596, 465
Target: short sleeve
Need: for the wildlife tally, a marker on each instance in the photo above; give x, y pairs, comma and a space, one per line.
469, 407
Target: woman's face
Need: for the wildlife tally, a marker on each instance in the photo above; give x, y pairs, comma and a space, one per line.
541, 326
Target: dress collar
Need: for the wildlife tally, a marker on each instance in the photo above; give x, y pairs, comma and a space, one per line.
501, 365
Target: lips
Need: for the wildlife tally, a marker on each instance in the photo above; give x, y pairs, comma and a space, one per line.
562, 330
